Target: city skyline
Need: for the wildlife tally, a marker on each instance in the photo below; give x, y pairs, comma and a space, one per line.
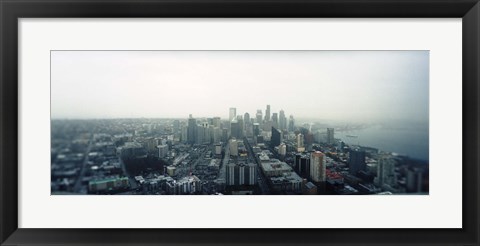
379, 85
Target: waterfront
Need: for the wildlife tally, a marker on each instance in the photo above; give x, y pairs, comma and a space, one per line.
410, 141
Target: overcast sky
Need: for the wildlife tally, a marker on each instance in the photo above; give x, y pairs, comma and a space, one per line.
334, 85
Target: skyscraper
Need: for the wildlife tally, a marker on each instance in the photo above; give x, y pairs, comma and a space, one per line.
199, 139
282, 120
241, 127
216, 121
276, 137
258, 116
317, 167
233, 147
191, 130
386, 172
267, 113
234, 129
356, 161
302, 165
275, 120
248, 127
256, 129
300, 143
241, 174
414, 180
330, 136
291, 124
246, 118
233, 114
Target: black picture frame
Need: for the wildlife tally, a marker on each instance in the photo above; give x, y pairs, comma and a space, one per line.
11, 10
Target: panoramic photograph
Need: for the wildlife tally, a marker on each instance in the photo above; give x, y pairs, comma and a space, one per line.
306, 122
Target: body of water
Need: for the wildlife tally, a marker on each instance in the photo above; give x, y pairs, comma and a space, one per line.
410, 141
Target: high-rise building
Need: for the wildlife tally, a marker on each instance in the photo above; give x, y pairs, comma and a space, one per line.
308, 137
356, 161
233, 147
216, 121
291, 124
267, 125
282, 120
282, 149
330, 136
162, 150
200, 135
246, 118
386, 172
256, 129
414, 180
241, 174
224, 135
241, 126
302, 165
317, 167
235, 129
275, 120
217, 135
192, 130
184, 133
233, 114
176, 126
300, 143
267, 113
259, 116
276, 137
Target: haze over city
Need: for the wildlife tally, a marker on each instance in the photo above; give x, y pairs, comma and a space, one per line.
239, 122
365, 86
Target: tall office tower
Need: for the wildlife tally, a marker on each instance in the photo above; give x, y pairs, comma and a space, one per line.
256, 129
275, 120
356, 161
246, 118
217, 135
176, 126
282, 120
282, 149
386, 172
267, 125
224, 135
300, 143
291, 124
276, 137
267, 113
317, 167
330, 136
184, 133
233, 147
308, 138
234, 129
233, 114
302, 165
259, 116
241, 127
240, 174
206, 133
192, 130
200, 134
414, 180
216, 121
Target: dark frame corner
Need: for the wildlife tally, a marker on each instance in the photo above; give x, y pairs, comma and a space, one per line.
11, 10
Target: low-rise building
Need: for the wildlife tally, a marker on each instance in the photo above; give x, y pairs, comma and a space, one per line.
108, 184
287, 182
